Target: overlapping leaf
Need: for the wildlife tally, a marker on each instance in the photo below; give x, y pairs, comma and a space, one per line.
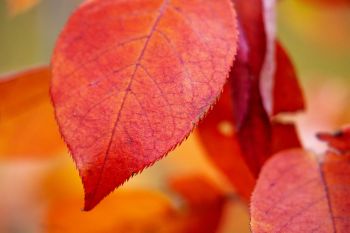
132, 78
219, 137
257, 84
27, 124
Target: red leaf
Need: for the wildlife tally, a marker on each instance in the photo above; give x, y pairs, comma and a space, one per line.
284, 136
132, 78
218, 136
339, 141
287, 94
298, 193
257, 86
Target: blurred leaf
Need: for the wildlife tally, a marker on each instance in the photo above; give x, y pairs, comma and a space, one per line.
218, 135
139, 211
27, 124
262, 76
287, 93
339, 141
204, 200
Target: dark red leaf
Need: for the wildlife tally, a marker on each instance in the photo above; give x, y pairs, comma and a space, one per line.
287, 94
284, 136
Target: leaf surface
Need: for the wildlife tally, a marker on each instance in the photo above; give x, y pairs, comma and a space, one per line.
132, 78
27, 123
297, 192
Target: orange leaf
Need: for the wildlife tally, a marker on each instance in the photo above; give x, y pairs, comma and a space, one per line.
18, 6
137, 211
27, 122
296, 192
127, 211
126, 91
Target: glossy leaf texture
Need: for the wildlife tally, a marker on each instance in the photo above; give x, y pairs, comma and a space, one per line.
132, 78
19, 6
261, 74
140, 211
27, 123
218, 135
299, 192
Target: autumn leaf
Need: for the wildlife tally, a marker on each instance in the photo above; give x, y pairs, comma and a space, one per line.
127, 91
128, 211
261, 74
27, 124
217, 133
284, 136
299, 192
251, 117
287, 94
138, 211
339, 142
18, 6
204, 202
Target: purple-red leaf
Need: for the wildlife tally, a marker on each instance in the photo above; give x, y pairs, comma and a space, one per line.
132, 78
261, 74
